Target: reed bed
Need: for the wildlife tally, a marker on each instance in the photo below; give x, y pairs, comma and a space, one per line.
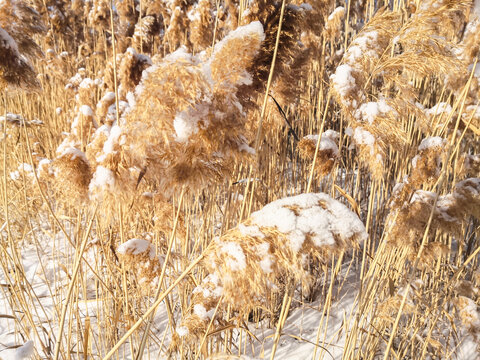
239, 179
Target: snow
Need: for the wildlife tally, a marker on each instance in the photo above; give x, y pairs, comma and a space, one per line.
15, 175
179, 55
86, 110
186, 122
370, 110
137, 247
338, 10
87, 83
44, 164
108, 97
363, 137
253, 231
306, 7
8, 42
439, 109
472, 185
211, 279
13, 118
317, 216
246, 148
431, 142
26, 168
303, 320
25, 351
74, 152
476, 8
102, 178
444, 204
182, 331
423, 196
327, 142
200, 311
236, 259
343, 80
363, 46
255, 28
113, 139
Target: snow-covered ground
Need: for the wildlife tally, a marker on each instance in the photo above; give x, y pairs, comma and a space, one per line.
45, 265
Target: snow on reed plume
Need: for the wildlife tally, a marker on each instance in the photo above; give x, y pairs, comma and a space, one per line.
71, 168
186, 126
411, 207
328, 152
269, 252
387, 53
292, 55
18, 24
199, 130
139, 256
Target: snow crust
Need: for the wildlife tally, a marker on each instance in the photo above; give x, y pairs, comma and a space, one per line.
74, 152
362, 136
335, 12
137, 247
86, 110
317, 216
327, 141
8, 42
370, 110
439, 109
186, 122
431, 142
343, 80
236, 258
254, 28
102, 178
364, 45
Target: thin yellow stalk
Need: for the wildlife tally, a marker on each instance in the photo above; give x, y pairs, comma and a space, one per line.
270, 77
73, 280
152, 308
312, 170
287, 301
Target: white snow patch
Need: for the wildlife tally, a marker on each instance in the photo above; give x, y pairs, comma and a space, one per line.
369, 111
237, 260
25, 351
327, 142
431, 142
253, 231
137, 247
182, 331
74, 153
315, 215
8, 42
200, 311
86, 110
186, 122
343, 80
363, 137
439, 109
338, 10
102, 178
